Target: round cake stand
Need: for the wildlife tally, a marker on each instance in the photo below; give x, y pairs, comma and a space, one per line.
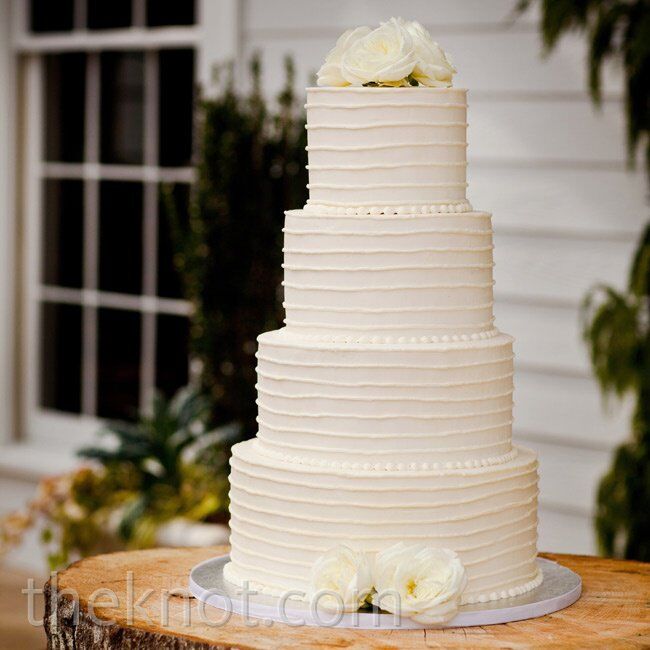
560, 588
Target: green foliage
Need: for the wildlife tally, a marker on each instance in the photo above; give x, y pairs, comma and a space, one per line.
162, 467
616, 30
617, 330
251, 167
616, 324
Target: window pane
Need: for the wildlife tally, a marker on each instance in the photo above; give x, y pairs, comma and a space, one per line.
61, 357
51, 15
109, 15
118, 363
176, 98
122, 106
170, 12
120, 236
169, 280
171, 353
65, 89
63, 233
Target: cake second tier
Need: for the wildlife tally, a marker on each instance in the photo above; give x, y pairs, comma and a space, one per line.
382, 278
373, 407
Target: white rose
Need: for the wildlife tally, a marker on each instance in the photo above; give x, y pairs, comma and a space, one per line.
421, 582
385, 56
433, 67
346, 573
330, 72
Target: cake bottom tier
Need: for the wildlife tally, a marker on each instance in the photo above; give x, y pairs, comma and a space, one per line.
284, 516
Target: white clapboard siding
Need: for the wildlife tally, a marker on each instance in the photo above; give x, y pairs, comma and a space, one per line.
338, 15
562, 76
547, 338
552, 169
562, 131
555, 269
566, 410
563, 532
593, 203
569, 476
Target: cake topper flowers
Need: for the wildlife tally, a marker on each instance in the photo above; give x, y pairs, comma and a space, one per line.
397, 53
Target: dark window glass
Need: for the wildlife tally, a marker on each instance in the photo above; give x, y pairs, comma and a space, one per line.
109, 15
118, 363
61, 357
122, 106
65, 88
120, 236
170, 12
51, 15
172, 207
63, 233
171, 353
176, 98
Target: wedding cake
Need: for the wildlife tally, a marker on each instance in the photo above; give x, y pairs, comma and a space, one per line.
385, 403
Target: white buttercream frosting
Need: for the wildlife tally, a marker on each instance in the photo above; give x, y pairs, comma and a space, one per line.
286, 515
385, 404
383, 150
403, 278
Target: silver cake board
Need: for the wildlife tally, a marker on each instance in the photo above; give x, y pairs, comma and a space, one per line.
560, 588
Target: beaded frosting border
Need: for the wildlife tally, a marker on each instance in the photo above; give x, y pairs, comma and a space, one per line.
346, 338
231, 575
420, 466
352, 210
505, 593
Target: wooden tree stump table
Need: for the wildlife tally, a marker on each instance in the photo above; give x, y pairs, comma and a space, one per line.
140, 600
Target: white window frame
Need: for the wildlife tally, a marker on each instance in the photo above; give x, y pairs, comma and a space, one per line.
215, 38
8, 226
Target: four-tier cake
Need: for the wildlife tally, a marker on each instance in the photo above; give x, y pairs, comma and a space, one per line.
385, 403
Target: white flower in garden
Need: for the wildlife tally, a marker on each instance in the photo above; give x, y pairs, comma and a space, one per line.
330, 72
386, 55
420, 582
433, 67
346, 573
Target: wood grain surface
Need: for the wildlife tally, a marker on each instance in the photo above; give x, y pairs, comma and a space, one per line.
151, 608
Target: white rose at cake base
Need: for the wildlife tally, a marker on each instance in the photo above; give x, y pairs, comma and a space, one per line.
341, 579
384, 456
420, 582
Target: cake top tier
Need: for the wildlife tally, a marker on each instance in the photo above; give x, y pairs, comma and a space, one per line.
386, 132
377, 149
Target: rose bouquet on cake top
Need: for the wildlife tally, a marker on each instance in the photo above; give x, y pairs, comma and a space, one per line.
397, 53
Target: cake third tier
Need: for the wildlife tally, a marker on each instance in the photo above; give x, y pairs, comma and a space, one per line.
382, 407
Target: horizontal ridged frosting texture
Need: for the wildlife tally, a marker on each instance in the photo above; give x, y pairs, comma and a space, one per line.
382, 147
285, 515
385, 404
407, 406
388, 275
